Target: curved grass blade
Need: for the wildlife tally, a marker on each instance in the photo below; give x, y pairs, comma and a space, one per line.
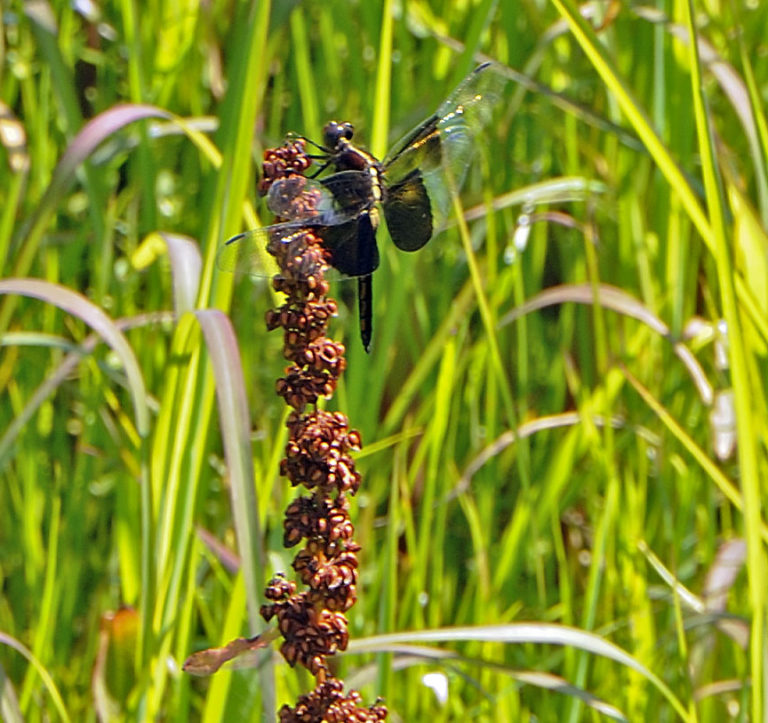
411, 655
45, 676
186, 265
614, 298
76, 304
728, 489
224, 353
519, 634
49, 385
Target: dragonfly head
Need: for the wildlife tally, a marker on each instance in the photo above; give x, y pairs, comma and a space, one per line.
335, 132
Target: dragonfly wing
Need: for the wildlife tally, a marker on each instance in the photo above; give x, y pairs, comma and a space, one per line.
330, 200
329, 209
297, 197
246, 253
441, 148
476, 97
471, 104
408, 210
350, 242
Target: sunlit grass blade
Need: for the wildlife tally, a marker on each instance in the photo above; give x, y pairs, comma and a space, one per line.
524, 633
603, 64
725, 485
761, 123
61, 373
743, 385
82, 146
186, 265
179, 459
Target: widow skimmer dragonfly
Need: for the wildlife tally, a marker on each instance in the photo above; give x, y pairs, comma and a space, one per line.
414, 185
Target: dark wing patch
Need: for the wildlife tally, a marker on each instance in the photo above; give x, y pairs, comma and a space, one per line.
407, 209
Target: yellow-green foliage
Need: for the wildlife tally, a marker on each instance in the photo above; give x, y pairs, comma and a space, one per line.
553, 513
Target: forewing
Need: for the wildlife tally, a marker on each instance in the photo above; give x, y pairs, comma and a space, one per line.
333, 199
477, 94
298, 198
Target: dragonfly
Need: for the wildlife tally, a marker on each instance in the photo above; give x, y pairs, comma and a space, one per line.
414, 186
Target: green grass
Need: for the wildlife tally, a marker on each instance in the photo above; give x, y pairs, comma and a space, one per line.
545, 516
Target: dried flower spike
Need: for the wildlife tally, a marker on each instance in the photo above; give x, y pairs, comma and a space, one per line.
317, 456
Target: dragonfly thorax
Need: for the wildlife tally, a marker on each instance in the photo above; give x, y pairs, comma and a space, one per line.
345, 156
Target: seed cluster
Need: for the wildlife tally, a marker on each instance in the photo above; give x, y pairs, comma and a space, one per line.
317, 361
306, 518
317, 455
328, 703
290, 158
310, 632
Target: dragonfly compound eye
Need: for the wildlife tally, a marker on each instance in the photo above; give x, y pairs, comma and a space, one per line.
335, 132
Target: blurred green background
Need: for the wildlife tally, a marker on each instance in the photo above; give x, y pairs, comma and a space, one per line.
564, 409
